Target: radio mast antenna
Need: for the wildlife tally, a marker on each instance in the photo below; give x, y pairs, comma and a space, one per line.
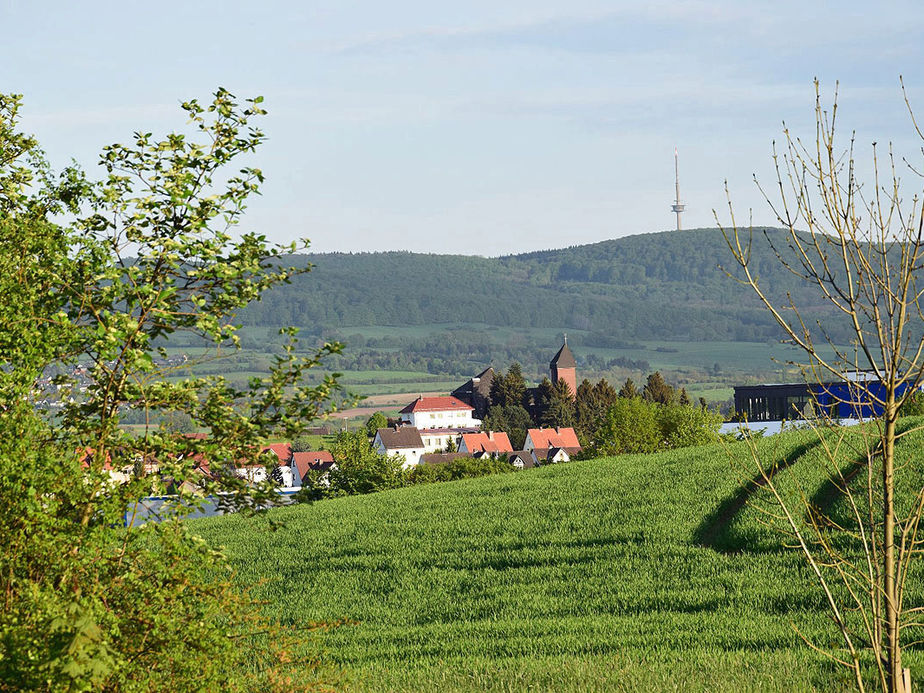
678, 206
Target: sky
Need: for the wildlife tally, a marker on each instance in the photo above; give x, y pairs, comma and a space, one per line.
476, 127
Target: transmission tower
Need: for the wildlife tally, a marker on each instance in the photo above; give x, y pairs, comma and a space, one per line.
678, 206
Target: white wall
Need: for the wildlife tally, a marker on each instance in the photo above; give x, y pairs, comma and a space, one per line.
442, 419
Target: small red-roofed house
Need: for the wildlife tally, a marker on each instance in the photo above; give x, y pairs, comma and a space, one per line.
544, 438
439, 412
317, 461
490, 443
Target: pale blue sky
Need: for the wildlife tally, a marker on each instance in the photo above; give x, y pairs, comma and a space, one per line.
472, 127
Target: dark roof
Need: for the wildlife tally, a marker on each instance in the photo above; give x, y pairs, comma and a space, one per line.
525, 457
564, 358
404, 437
475, 388
549, 453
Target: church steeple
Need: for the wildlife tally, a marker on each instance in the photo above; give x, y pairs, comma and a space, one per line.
564, 367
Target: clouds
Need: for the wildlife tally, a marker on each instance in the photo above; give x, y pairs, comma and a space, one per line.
479, 126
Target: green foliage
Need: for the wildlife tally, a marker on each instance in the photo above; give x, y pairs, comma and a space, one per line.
636, 425
591, 404
148, 253
509, 390
685, 425
639, 287
630, 426
560, 409
375, 422
302, 444
628, 390
360, 468
459, 468
913, 405
656, 390
513, 420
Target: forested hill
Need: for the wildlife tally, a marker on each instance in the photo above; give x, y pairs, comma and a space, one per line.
652, 286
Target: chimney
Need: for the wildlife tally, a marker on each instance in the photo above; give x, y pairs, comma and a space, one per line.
490, 435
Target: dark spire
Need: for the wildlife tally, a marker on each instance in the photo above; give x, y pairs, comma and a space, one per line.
564, 358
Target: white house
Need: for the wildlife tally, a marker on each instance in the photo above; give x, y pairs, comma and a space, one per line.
437, 439
403, 441
549, 455
319, 461
439, 412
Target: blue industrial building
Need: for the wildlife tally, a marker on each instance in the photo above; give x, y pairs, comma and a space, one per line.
858, 397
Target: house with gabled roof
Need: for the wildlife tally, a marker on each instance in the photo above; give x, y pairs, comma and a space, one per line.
439, 412
551, 455
401, 441
320, 462
487, 442
544, 438
521, 459
283, 451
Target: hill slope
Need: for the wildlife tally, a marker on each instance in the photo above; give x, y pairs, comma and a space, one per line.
650, 286
633, 573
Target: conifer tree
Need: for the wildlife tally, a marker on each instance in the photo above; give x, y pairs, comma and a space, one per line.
656, 390
628, 390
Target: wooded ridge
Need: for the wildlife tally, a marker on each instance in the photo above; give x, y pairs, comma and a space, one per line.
670, 285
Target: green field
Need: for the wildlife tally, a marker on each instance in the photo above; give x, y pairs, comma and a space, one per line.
634, 573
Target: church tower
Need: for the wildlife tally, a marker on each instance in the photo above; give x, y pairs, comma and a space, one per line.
564, 367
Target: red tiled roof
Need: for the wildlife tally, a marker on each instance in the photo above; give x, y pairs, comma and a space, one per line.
436, 404
487, 442
282, 450
313, 459
553, 438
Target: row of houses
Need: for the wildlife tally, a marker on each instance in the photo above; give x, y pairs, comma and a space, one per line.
416, 441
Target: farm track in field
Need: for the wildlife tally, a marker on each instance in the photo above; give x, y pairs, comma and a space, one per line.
714, 529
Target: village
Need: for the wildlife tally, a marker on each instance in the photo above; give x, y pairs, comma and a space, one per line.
439, 430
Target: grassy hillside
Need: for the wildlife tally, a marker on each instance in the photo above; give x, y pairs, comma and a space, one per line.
636, 573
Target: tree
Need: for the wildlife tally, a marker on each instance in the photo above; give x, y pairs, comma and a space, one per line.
103, 274
630, 426
605, 393
359, 468
861, 249
513, 420
656, 390
560, 411
375, 422
683, 425
586, 408
510, 389
628, 390
301, 444
542, 399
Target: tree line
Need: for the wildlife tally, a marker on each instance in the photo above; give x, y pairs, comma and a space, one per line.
607, 421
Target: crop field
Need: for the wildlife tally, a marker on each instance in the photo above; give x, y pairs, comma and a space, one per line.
643, 572
707, 369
